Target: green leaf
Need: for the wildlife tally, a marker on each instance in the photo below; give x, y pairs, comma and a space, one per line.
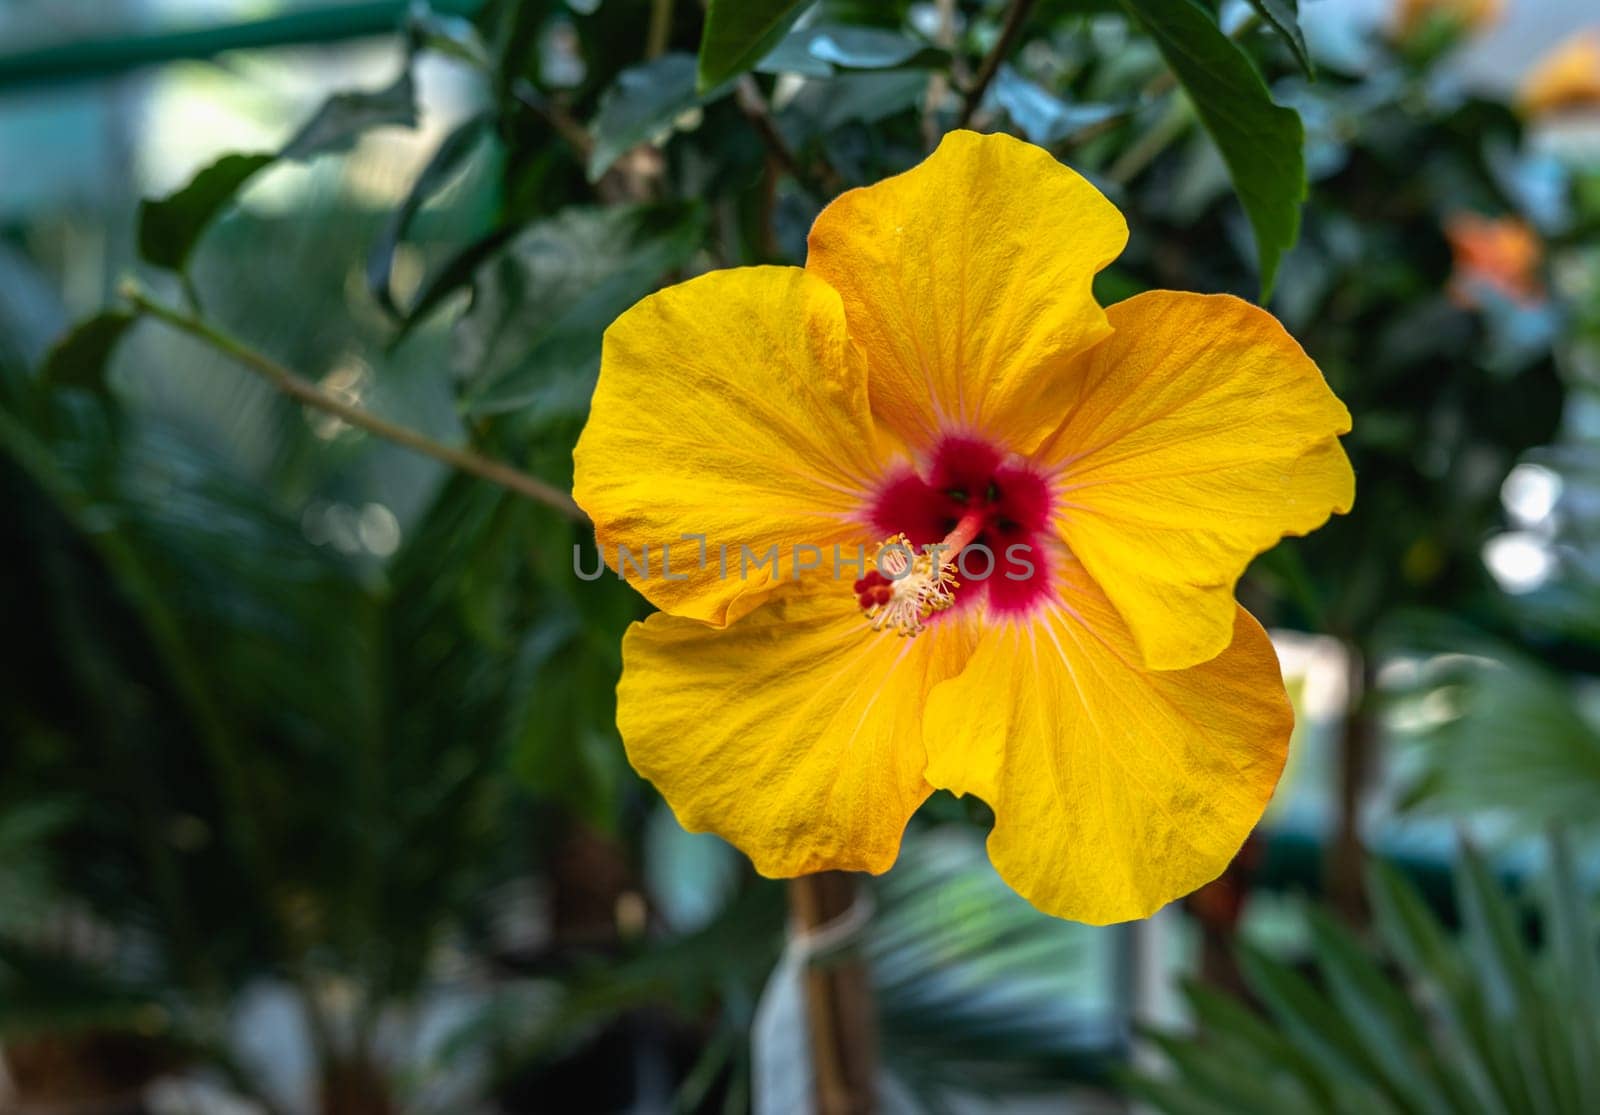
82, 357
1572, 933
642, 104
346, 116
815, 50
1261, 142
1428, 957
1044, 118
439, 172
531, 341
564, 744
451, 35
1504, 968
1523, 746
1389, 1027
1281, 16
47, 992
1303, 1013
739, 33
170, 227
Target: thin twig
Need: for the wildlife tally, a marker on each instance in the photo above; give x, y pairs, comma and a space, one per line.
562, 122
660, 30
309, 394
1171, 124
1016, 16
1142, 152
824, 183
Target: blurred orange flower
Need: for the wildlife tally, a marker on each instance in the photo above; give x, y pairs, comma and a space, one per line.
1413, 16
1565, 78
1500, 254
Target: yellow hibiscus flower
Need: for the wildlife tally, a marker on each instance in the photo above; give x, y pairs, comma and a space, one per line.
940, 373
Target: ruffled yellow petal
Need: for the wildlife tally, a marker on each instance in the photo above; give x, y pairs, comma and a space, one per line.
794, 734
967, 282
1116, 789
732, 407
1200, 434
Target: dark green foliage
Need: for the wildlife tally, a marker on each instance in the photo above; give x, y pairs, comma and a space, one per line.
1414, 1020
82, 357
530, 344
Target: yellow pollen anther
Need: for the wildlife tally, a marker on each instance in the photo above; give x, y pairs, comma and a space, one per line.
917, 588
918, 584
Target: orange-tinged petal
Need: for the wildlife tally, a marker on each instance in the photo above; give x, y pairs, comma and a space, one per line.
732, 407
794, 734
1200, 435
1501, 254
1566, 78
967, 282
1413, 16
1115, 788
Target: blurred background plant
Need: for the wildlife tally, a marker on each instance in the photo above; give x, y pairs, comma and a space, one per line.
310, 795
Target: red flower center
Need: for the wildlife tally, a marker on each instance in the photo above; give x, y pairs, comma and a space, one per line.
1006, 561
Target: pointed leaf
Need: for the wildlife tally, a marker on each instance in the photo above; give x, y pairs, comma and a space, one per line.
738, 33
82, 357
440, 170
641, 104
1281, 16
170, 227
348, 115
1261, 142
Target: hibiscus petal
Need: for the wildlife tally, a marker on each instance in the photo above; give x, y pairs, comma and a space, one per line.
795, 734
1116, 789
967, 282
1200, 435
732, 407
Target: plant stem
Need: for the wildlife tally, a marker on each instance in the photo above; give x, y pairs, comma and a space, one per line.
1144, 150
1016, 16
660, 30
1171, 124
562, 122
309, 394
823, 184
839, 1008
1346, 856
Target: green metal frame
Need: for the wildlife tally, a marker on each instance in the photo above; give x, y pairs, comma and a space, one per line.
99, 58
